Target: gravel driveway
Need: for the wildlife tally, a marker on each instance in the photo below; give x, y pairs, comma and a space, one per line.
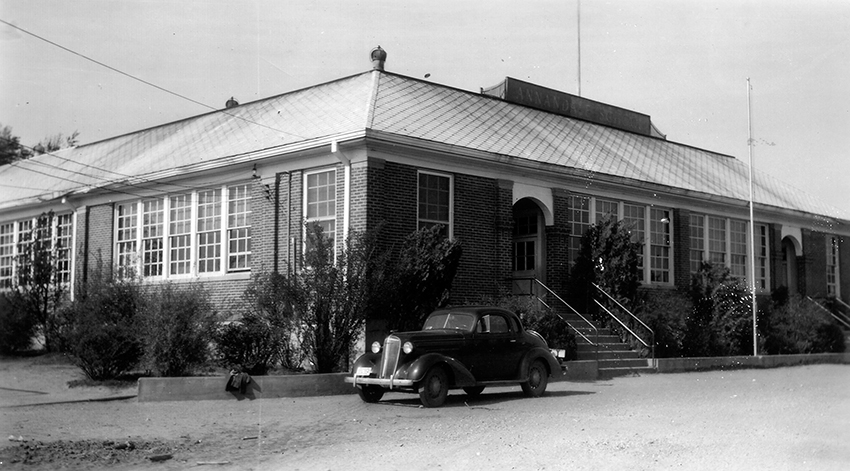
787, 418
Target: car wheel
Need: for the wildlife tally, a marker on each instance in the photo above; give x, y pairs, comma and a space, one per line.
434, 387
473, 391
538, 378
370, 393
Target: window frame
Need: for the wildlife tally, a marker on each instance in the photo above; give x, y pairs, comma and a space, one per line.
429, 222
62, 227
600, 207
833, 266
728, 241
332, 203
184, 204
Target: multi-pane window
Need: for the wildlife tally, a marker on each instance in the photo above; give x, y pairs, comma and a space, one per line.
607, 208
180, 239
659, 245
127, 223
23, 245
525, 238
7, 254
195, 233
21, 241
209, 231
321, 201
717, 240
697, 236
435, 201
635, 218
832, 274
641, 221
153, 228
761, 257
729, 246
579, 214
738, 248
239, 228
64, 243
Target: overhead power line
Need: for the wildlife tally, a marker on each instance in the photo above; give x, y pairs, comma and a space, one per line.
131, 76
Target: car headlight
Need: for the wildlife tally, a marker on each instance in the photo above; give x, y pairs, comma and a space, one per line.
407, 347
376, 347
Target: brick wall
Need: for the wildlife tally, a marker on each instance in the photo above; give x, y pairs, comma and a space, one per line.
812, 267
557, 245
682, 248
476, 205
97, 233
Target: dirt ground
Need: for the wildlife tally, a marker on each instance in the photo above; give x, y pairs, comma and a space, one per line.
782, 419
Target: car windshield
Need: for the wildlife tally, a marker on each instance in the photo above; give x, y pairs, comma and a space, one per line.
450, 321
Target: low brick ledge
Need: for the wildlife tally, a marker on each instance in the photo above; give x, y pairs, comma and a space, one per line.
265, 387
681, 365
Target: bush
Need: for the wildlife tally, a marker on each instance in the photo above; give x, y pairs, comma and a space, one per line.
419, 280
665, 312
794, 325
178, 326
17, 328
250, 345
101, 330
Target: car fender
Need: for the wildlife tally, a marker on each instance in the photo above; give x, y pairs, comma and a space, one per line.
416, 369
367, 359
542, 353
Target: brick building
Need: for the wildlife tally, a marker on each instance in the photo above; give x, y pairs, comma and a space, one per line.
516, 172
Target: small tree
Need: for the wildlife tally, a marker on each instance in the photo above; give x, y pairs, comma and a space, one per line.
39, 291
419, 279
720, 323
268, 330
336, 294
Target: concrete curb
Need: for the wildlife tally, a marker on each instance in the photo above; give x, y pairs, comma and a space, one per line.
681, 365
263, 387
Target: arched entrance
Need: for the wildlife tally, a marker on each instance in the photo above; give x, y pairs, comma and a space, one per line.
528, 257
789, 264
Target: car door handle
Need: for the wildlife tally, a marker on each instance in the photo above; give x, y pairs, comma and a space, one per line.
513, 340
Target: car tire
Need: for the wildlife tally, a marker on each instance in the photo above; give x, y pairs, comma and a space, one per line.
473, 391
370, 393
434, 387
538, 378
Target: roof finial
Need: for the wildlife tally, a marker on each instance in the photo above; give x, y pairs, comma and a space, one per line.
378, 56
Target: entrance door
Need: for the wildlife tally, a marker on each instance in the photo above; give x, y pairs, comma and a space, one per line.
528, 255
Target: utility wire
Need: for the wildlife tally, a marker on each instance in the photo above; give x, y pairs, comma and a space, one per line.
128, 75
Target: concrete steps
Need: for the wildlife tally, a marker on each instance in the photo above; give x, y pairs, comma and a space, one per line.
614, 357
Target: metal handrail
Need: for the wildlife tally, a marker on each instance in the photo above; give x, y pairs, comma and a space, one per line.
621, 323
651, 332
822, 308
555, 295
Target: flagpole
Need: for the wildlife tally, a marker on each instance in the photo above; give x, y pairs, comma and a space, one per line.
752, 222
578, 14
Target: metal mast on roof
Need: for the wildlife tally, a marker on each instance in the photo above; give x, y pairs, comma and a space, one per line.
752, 222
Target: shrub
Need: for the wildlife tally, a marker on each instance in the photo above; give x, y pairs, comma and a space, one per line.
101, 330
17, 328
250, 344
664, 313
419, 280
178, 326
794, 325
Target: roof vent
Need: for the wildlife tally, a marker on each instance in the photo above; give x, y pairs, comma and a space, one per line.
231, 103
378, 56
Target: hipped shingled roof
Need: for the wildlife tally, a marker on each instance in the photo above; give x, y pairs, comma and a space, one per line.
385, 104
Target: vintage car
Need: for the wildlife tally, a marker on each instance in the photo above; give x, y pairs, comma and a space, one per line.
468, 347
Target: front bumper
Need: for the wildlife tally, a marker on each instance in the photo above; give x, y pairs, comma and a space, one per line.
385, 383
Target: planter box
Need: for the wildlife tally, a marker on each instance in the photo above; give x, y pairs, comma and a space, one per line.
201, 388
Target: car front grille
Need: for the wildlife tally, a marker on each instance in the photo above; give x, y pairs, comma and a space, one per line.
389, 360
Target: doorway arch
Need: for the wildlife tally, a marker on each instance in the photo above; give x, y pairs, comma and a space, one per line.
528, 248
790, 252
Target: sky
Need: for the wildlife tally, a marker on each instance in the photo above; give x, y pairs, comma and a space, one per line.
684, 63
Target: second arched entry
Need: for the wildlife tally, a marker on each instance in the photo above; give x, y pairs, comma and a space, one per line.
528, 255
789, 263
